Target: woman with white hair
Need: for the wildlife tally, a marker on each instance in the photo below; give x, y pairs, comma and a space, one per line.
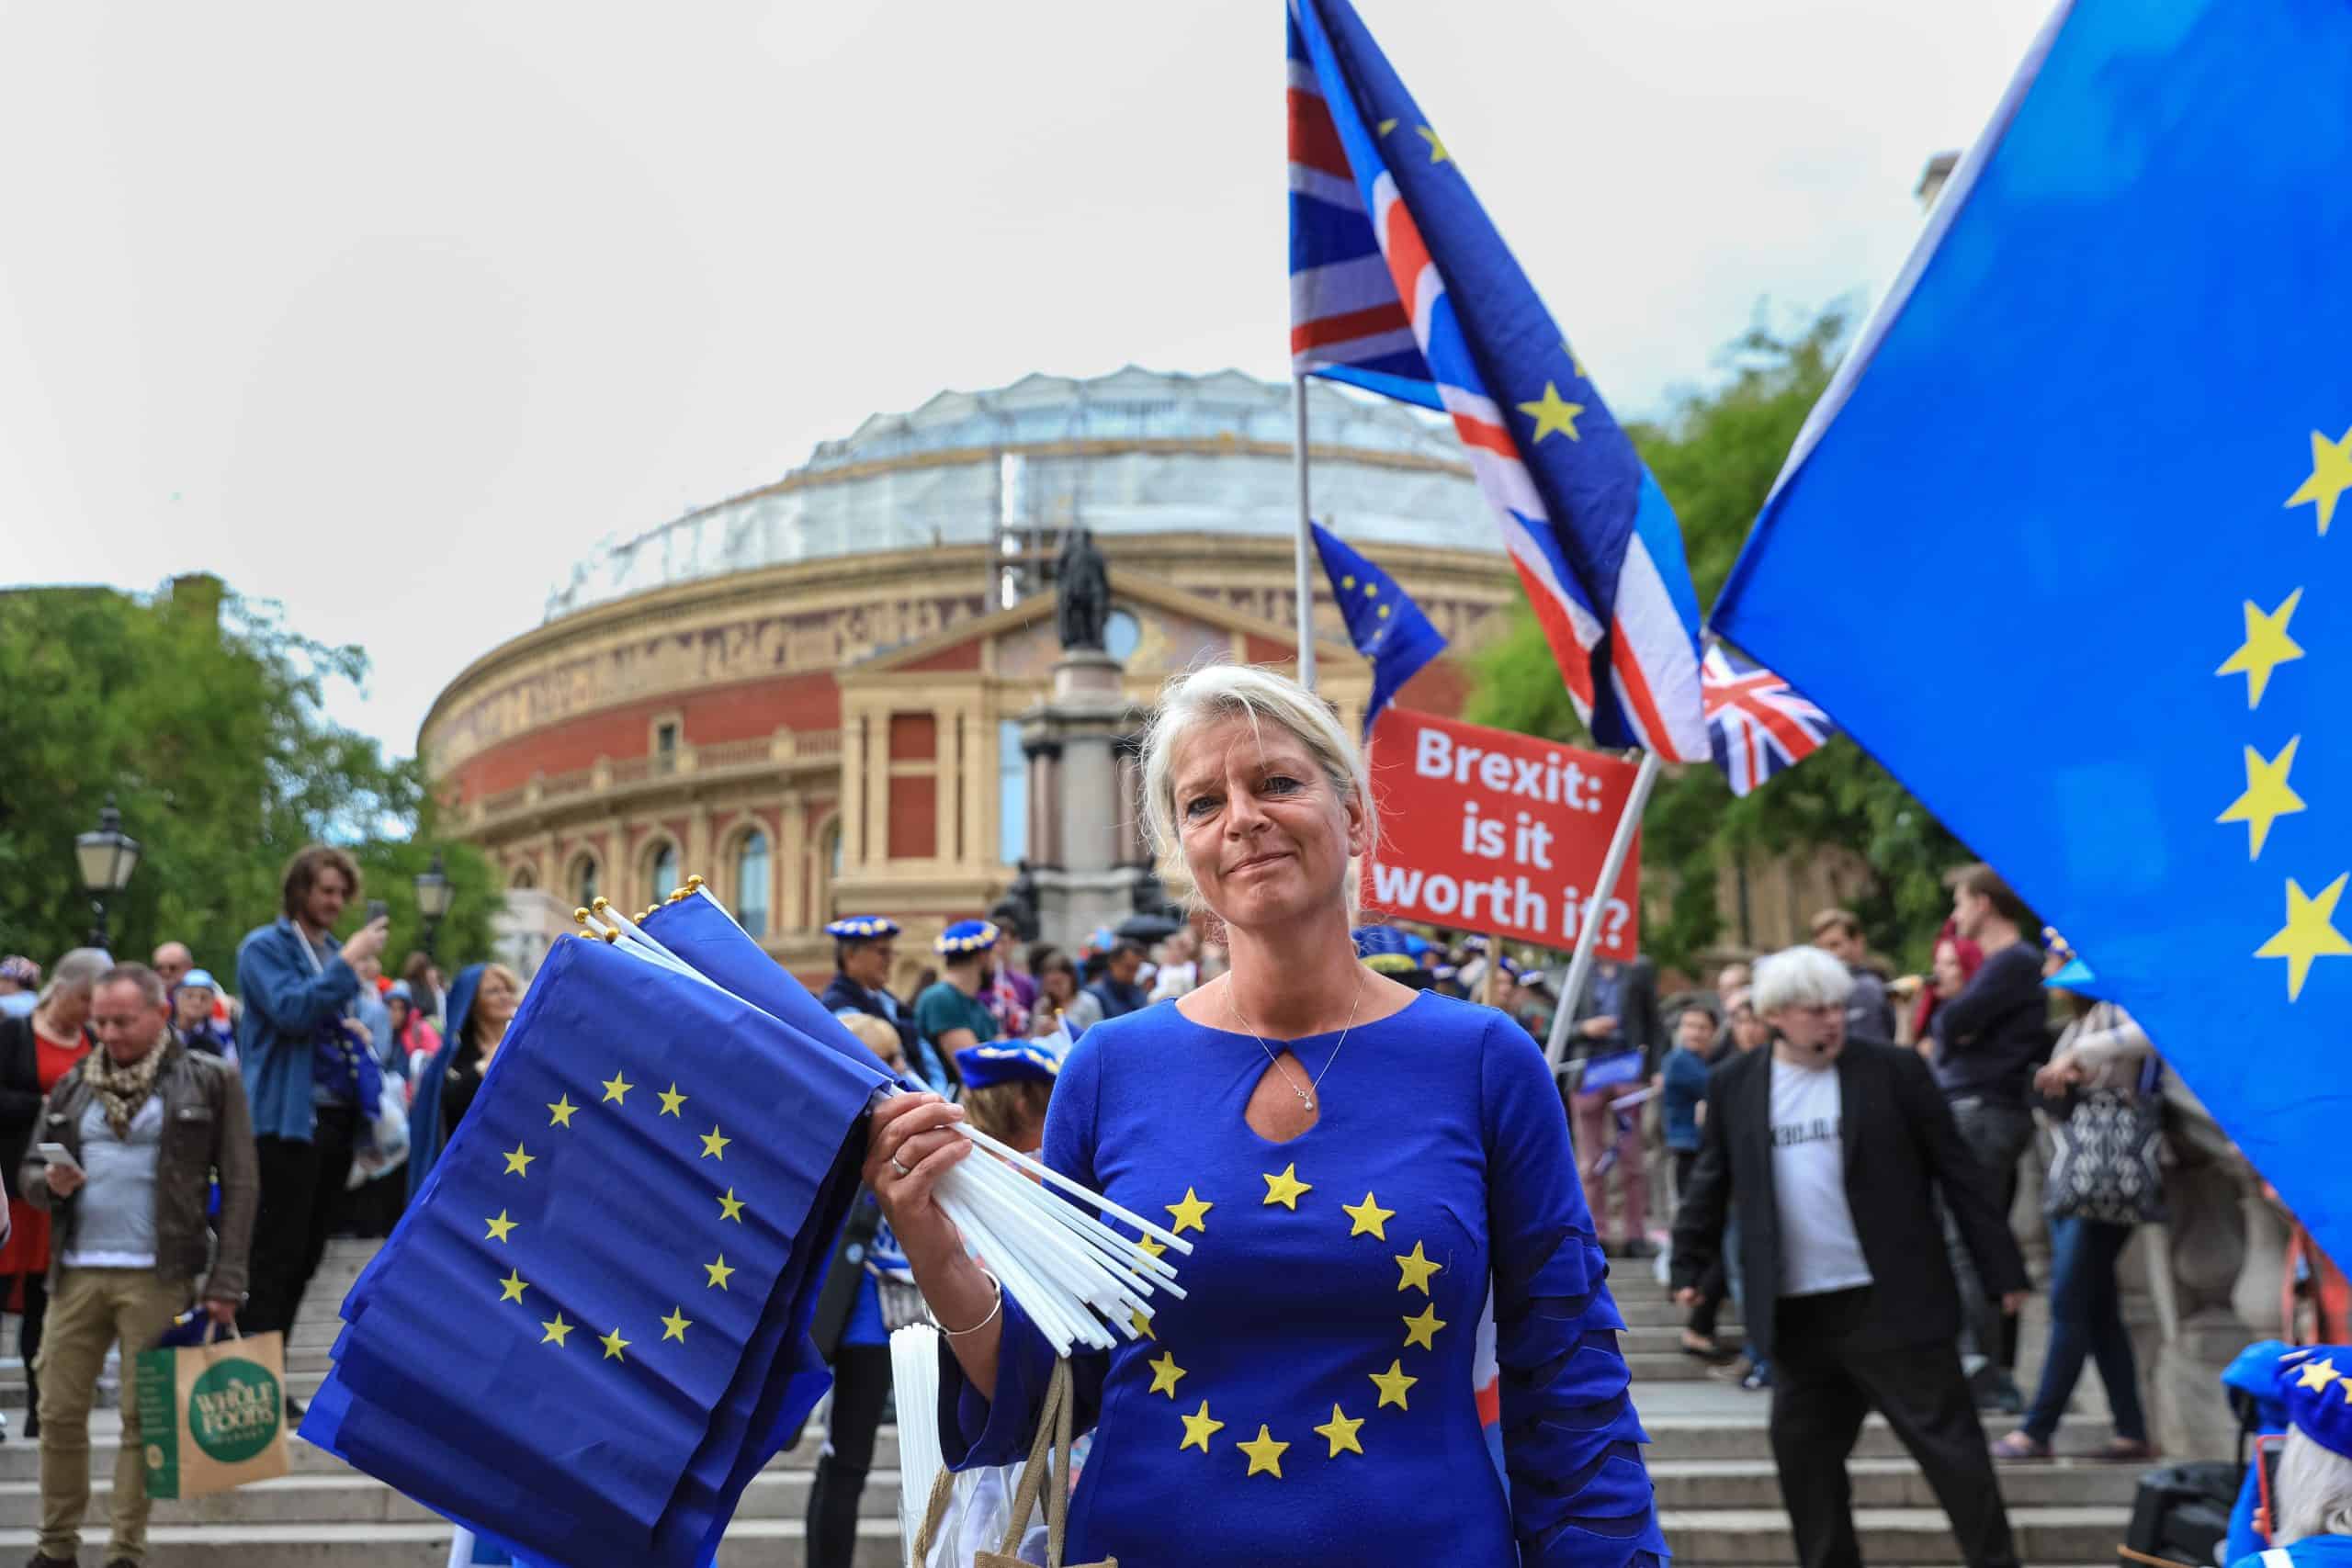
1356, 1163
2307, 1507
35, 1051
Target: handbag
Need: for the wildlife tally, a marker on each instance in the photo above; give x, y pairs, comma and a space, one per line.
213, 1412
1045, 1476
2109, 1161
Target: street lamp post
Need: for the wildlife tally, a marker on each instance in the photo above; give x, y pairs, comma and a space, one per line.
107, 857
432, 899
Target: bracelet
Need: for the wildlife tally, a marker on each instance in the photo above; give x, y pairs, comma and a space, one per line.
961, 1333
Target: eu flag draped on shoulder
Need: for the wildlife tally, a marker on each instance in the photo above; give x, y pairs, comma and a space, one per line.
2106, 411
1400, 285
1382, 621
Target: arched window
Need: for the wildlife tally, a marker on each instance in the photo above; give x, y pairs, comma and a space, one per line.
584, 881
663, 873
524, 878
833, 850
1012, 794
751, 883
1120, 633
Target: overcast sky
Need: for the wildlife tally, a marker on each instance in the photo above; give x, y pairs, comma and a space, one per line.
389, 311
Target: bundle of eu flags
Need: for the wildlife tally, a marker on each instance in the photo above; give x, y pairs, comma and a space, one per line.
589, 1332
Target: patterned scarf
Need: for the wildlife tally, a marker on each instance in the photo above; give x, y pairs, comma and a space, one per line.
123, 1087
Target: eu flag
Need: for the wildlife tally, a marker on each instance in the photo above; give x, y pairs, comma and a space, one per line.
584, 1336
2106, 413
1384, 622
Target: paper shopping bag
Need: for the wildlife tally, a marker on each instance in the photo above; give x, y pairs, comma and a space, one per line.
213, 1415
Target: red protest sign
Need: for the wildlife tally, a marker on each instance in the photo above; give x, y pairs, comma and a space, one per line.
1488, 830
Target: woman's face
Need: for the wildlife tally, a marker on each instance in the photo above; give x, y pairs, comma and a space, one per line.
396, 1010
69, 1010
1061, 985
495, 1001
1948, 978
1266, 838
1748, 1031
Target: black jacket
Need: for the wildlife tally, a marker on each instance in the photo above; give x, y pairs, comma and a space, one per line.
845, 995
19, 1096
1902, 1152
1637, 1017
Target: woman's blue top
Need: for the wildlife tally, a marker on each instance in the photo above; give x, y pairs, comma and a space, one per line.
1309, 1402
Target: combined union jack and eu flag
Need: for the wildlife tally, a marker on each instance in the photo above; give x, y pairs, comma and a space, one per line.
589, 1332
2105, 412
1400, 285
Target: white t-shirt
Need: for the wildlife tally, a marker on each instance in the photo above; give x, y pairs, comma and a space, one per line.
1819, 1250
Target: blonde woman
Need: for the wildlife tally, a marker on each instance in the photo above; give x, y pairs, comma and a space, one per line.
481, 1016
1355, 1162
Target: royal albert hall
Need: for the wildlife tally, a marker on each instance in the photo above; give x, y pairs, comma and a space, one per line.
810, 693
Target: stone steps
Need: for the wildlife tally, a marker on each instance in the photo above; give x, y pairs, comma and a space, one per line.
1710, 1455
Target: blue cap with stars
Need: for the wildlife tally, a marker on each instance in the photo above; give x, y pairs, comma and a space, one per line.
1007, 1061
2315, 1382
965, 936
860, 928
1383, 950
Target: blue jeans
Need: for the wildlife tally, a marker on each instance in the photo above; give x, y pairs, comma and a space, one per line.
2086, 1321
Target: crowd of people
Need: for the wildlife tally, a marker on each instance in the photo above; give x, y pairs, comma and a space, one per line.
1843, 1148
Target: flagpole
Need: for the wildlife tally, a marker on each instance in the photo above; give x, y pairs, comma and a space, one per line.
1302, 584
1621, 844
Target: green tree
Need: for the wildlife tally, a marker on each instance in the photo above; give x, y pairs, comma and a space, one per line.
1715, 455
200, 713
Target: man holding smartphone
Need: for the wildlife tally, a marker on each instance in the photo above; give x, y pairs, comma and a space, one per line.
309, 1080
129, 1141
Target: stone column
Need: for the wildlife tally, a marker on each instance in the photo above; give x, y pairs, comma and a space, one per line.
1073, 739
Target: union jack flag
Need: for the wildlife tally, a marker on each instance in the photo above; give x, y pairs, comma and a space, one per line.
1401, 286
1757, 722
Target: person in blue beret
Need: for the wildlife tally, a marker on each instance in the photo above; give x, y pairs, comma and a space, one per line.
953, 1012
2309, 1517
864, 947
1007, 1086
1384, 949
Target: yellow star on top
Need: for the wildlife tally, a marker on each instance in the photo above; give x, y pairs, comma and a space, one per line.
1341, 1432
1198, 1429
675, 1326
1191, 1214
720, 1273
1438, 154
1392, 1383
1386, 125
1265, 1453
1370, 1218
559, 1113
2310, 933
1415, 1271
2316, 1374
671, 1100
510, 1287
2266, 796
499, 1227
730, 1207
614, 1345
2267, 646
1164, 1373
556, 1330
713, 1145
518, 1163
1422, 1328
1142, 1325
2331, 476
617, 1090
2347, 1391
1152, 1247
1287, 1187
1552, 412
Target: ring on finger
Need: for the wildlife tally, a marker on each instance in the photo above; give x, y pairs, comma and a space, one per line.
901, 1169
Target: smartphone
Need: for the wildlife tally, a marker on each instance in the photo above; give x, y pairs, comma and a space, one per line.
58, 1154
2267, 1450
378, 910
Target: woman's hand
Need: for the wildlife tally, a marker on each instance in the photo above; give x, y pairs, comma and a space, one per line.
2060, 1073
909, 1147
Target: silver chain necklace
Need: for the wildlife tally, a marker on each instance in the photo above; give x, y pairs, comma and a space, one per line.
1306, 1095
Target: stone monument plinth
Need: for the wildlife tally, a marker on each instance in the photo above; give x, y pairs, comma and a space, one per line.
1086, 847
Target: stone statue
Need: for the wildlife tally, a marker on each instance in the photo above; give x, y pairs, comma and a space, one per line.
1081, 592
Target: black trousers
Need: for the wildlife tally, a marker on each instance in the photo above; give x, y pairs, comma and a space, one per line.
861, 1385
1823, 1387
1714, 1284
301, 1192
28, 1329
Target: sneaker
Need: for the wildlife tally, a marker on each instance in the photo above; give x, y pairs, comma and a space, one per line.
1993, 1390
1757, 1381
41, 1561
